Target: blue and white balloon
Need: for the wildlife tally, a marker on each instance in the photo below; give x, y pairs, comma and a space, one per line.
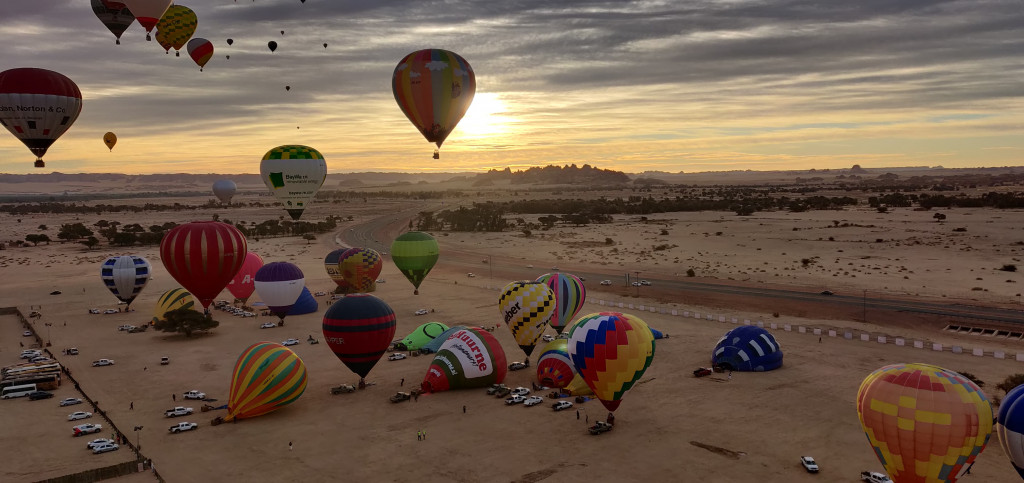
125, 276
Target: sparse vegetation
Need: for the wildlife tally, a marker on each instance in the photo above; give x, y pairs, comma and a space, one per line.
691, 273
1009, 267
1010, 382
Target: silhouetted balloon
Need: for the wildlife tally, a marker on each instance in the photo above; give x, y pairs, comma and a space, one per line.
272, 45
230, 41
114, 15
287, 88
325, 45
282, 32
110, 139
434, 88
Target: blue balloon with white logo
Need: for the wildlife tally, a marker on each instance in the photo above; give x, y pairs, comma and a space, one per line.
747, 348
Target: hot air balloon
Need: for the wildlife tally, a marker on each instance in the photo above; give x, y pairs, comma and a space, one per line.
47, 105
415, 253
224, 189
173, 299
1010, 428
325, 45
272, 45
431, 347
569, 293
293, 174
554, 367
578, 387
526, 308
125, 276
469, 358
230, 41
201, 50
747, 348
203, 256
610, 351
242, 285
279, 285
110, 139
925, 423
421, 336
266, 377
334, 271
175, 27
114, 15
359, 328
305, 304
147, 12
434, 88
360, 267
287, 88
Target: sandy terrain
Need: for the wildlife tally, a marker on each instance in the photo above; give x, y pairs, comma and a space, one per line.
672, 427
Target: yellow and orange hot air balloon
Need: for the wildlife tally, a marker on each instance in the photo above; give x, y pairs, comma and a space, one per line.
266, 376
110, 139
926, 424
175, 28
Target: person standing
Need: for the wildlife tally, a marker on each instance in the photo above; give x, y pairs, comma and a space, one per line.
424, 435
289, 446
402, 383
463, 409
131, 406
577, 414
174, 397
419, 435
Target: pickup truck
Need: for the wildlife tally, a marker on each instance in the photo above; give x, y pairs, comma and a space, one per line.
177, 428
178, 411
400, 396
600, 427
873, 477
194, 394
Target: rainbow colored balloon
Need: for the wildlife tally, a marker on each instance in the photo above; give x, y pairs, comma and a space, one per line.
526, 308
554, 368
360, 267
359, 328
570, 294
925, 423
266, 377
610, 351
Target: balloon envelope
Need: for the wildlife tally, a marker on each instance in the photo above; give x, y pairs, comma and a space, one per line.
266, 377
569, 293
925, 423
224, 189
554, 367
747, 348
434, 88
203, 256
360, 267
526, 308
306, 304
469, 358
173, 299
147, 12
279, 285
272, 45
242, 285
110, 139
423, 335
293, 174
610, 351
359, 328
125, 276
48, 104
334, 271
114, 15
1010, 428
176, 26
201, 51
415, 253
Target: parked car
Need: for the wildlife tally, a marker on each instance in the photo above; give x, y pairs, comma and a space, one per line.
343, 389
40, 359
194, 394
644, 282
124, 326
515, 399
516, 365
873, 477
495, 388
606, 282
554, 268
177, 428
396, 356
400, 396
533, 401
30, 353
165, 360
290, 342
79, 415
502, 392
87, 428
37, 395
809, 464
470, 274
268, 325
110, 311
422, 312
55, 292
560, 405
137, 329
71, 401
96, 442
103, 448
177, 411
599, 427
548, 337
27, 333
827, 292
520, 391
94, 311
102, 362
72, 351
381, 280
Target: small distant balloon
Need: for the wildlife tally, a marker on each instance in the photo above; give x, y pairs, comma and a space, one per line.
272, 45
228, 57
231, 41
110, 139
282, 32
287, 88
325, 45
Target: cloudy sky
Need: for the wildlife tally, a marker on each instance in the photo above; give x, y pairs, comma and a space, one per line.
692, 85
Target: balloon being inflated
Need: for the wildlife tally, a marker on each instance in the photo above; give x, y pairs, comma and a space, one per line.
470, 357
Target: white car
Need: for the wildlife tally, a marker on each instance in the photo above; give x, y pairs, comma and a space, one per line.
268, 325
636, 284
248, 314
86, 429
533, 401
520, 391
515, 400
809, 464
381, 280
290, 342
124, 327
548, 337
79, 415
560, 405
470, 274
645, 282
27, 333
110, 311
102, 362
554, 268
177, 428
606, 282
195, 394
30, 353
396, 356
96, 442
103, 448
422, 312
320, 294
70, 401
94, 311
874, 477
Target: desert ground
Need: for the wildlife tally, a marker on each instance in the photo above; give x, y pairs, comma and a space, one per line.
670, 427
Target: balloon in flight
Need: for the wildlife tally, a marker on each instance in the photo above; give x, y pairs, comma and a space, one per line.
201, 50
266, 377
434, 88
526, 308
294, 174
203, 256
924, 423
569, 293
242, 285
610, 351
48, 102
175, 27
148, 12
125, 276
1010, 428
231, 41
173, 299
554, 367
224, 189
279, 285
287, 88
469, 358
415, 253
360, 267
114, 15
272, 45
325, 45
110, 139
359, 328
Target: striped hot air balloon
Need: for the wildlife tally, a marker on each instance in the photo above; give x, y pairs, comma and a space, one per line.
610, 351
569, 293
266, 377
203, 256
125, 276
434, 88
415, 253
173, 299
359, 328
360, 267
554, 368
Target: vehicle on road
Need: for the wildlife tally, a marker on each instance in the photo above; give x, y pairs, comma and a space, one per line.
396, 356
110, 311
195, 394
516, 366
400, 396
37, 395
87, 428
96, 442
495, 388
268, 325
533, 401
520, 391
180, 427
290, 342
27, 333
515, 399
103, 448
645, 282
177, 411
422, 312
874, 477
94, 311
165, 360
600, 427
560, 405
827, 292
79, 415
102, 362
809, 464
71, 401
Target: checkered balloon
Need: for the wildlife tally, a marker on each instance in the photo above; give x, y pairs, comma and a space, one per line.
526, 308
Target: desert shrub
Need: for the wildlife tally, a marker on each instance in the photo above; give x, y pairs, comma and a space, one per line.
609, 241
1009, 268
1010, 382
831, 238
691, 273
960, 229
664, 231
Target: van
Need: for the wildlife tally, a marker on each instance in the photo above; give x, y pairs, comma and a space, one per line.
18, 391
